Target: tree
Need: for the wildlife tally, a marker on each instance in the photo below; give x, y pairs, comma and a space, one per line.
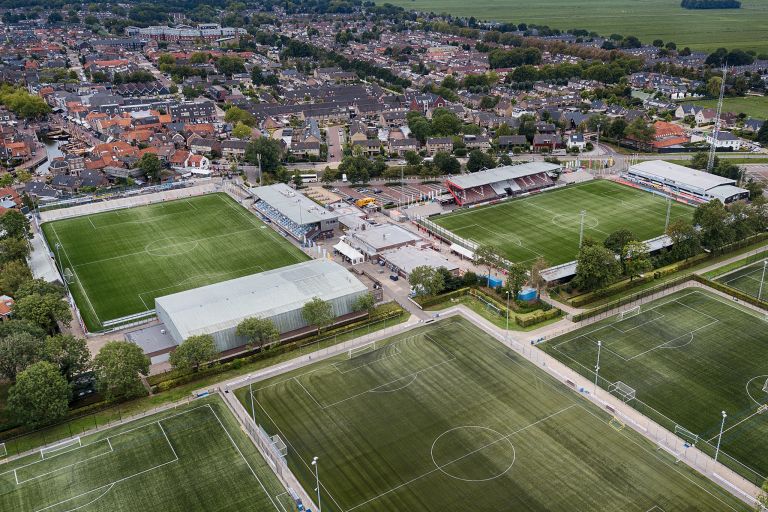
356, 167
762, 134
685, 239
365, 302
241, 131
43, 310
479, 160
616, 242
40, 395
270, 150
487, 255
446, 163
14, 224
258, 331
13, 249
701, 159
329, 175
319, 313
762, 498
596, 268
227, 65
517, 275
70, 355
712, 220
297, 179
637, 259
755, 188
713, 86
12, 275
238, 115
117, 367
54, 18
150, 166
193, 352
18, 350
537, 279
640, 130
39, 287
426, 280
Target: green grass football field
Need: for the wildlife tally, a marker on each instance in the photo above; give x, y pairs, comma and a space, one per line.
547, 224
751, 279
704, 30
445, 418
752, 106
689, 356
121, 260
194, 458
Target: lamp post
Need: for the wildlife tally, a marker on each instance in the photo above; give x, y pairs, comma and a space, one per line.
506, 333
597, 364
317, 481
720, 436
762, 280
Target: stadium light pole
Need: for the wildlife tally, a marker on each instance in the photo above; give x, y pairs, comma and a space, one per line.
253, 410
317, 480
762, 280
597, 364
506, 333
581, 228
669, 210
720, 437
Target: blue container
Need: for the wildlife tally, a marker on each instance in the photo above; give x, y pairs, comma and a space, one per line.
527, 294
494, 282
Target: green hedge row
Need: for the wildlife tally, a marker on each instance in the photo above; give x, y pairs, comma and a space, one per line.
731, 291
536, 317
430, 300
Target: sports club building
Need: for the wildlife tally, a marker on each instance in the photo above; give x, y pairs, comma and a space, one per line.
501, 182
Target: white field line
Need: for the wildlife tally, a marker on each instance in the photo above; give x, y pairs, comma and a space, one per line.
148, 220
74, 272
625, 331
439, 468
757, 412
68, 466
167, 440
263, 488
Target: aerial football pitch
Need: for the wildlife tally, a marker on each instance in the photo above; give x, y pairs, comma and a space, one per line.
547, 225
687, 357
445, 418
750, 279
186, 459
118, 262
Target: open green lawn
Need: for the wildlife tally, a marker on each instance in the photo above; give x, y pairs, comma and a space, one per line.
547, 224
647, 19
121, 260
753, 106
689, 356
445, 418
194, 458
750, 279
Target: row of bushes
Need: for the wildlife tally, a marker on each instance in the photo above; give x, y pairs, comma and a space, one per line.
630, 298
173, 378
731, 291
536, 317
431, 300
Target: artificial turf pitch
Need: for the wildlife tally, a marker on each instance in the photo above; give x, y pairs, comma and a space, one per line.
194, 458
547, 224
750, 279
445, 418
689, 356
121, 260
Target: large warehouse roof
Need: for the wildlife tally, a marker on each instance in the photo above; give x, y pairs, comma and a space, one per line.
294, 205
679, 175
507, 172
223, 305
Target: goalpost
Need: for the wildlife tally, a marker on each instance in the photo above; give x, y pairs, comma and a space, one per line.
686, 435
623, 391
279, 446
629, 313
3, 451
69, 276
69, 443
354, 352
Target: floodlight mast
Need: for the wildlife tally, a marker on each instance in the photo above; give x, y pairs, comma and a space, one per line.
317, 481
597, 364
720, 437
716, 129
762, 280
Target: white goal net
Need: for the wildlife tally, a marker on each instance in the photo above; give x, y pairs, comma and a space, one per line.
622, 390
279, 445
55, 449
629, 313
354, 352
3, 451
765, 386
69, 276
686, 435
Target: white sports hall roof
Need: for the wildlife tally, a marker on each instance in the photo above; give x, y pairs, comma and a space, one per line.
679, 175
294, 205
507, 172
223, 305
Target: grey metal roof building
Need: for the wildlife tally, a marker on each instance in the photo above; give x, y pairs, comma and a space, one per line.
296, 206
507, 172
676, 179
505, 181
277, 294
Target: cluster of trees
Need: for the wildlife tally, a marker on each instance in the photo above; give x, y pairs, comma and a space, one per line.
620, 254
710, 4
500, 58
735, 57
608, 73
22, 103
444, 123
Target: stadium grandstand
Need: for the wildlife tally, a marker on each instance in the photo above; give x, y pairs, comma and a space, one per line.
682, 183
501, 182
293, 212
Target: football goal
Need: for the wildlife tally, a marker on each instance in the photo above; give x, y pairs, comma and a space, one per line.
623, 391
765, 386
629, 313
55, 449
358, 351
3, 451
686, 435
279, 445
69, 276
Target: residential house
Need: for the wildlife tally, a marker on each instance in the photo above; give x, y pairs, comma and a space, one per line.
725, 140
435, 144
576, 141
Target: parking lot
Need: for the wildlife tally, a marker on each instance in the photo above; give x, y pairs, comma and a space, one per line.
395, 194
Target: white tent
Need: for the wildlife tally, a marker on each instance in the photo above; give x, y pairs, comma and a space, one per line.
350, 252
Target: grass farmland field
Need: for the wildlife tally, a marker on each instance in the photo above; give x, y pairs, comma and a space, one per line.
445, 418
753, 106
748, 279
186, 459
704, 30
121, 260
689, 356
547, 224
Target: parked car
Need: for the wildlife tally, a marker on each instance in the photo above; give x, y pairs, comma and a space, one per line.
394, 277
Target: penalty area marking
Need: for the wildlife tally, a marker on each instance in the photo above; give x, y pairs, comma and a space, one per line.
749, 394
